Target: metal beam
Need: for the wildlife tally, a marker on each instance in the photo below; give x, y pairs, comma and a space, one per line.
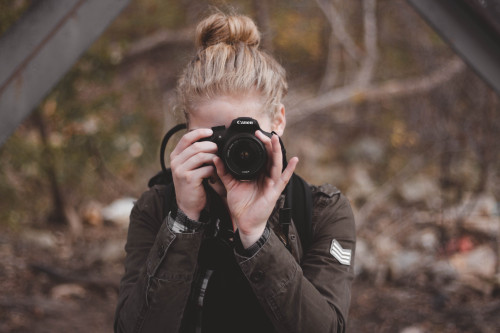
468, 33
41, 47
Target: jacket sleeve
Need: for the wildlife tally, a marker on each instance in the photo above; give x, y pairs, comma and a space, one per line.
159, 269
315, 295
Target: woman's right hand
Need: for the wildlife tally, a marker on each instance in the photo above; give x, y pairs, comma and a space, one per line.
191, 162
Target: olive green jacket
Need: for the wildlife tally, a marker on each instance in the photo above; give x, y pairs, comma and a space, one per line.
300, 292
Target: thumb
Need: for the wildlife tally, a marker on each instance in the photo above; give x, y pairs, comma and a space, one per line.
224, 176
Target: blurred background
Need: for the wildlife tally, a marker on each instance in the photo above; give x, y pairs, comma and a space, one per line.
379, 105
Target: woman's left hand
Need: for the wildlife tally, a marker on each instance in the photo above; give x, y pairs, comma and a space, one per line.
252, 202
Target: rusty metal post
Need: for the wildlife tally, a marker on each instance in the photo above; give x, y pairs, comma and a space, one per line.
471, 28
41, 47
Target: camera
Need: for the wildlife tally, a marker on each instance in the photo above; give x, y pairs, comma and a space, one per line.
243, 154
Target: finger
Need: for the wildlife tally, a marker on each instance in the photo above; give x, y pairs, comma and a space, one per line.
189, 138
287, 173
269, 147
224, 176
277, 158
193, 150
196, 161
197, 175
275, 155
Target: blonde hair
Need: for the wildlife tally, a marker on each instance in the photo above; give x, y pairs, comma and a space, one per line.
228, 62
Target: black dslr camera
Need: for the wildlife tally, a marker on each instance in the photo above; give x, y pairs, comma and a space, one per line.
244, 155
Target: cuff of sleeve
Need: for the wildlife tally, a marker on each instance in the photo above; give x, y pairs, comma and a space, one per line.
255, 247
181, 224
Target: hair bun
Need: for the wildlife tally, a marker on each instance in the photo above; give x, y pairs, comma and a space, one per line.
221, 28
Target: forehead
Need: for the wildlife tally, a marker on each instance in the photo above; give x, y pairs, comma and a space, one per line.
221, 110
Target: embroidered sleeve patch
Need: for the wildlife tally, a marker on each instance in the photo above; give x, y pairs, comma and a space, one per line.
341, 254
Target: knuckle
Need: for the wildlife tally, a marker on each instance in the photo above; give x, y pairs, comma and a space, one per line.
197, 145
200, 158
193, 148
184, 140
174, 167
195, 161
176, 174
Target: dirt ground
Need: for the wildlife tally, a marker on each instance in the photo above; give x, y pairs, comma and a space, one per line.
52, 282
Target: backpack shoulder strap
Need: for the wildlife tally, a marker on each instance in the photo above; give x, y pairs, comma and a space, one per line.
161, 178
165, 178
301, 204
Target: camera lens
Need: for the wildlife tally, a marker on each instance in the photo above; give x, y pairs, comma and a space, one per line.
245, 156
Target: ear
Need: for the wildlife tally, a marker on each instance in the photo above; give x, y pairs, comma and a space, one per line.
279, 121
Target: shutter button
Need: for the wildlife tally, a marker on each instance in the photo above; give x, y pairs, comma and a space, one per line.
257, 276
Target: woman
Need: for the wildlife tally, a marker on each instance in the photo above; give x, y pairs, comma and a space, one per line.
218, 262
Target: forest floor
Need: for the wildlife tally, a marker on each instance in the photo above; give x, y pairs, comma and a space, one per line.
53, 283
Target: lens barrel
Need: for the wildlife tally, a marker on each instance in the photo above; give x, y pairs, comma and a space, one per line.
244, 156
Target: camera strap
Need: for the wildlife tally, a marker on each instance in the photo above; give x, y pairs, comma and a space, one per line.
164, 142
297, 207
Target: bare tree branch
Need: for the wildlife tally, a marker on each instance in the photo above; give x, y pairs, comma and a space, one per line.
365, 74
159, 38
416, 85
264, 22
338, 29
382, 192
388, 89
332, 64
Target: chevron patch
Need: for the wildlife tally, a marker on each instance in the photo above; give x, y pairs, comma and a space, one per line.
341, 254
